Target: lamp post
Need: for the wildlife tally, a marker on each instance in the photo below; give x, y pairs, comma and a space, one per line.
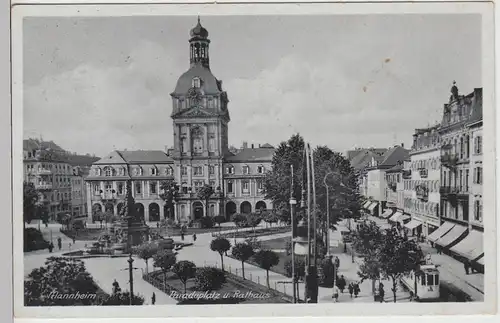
327, 214
131, 278
293, 202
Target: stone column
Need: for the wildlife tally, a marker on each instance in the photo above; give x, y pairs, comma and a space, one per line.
205, 139
146, 212
188, 138
162, 211
176, 212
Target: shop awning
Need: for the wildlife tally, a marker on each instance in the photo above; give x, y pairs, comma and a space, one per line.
372, 206
413, 224
387, 213
403, 217
471, 247
395, 217
480, 261
366, 204
451, 236
441, 231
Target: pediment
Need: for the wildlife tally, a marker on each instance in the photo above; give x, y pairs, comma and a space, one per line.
195, 112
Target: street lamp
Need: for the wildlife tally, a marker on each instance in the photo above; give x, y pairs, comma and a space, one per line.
293, 202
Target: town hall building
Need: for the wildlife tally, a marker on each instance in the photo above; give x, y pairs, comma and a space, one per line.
200, 155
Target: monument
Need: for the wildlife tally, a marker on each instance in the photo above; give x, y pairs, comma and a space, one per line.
130, 230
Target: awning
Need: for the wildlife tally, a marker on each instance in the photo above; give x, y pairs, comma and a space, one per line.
342, 228
480, 261
471, 247
451, 236
413, 224
372, 206
441, 231
395, 217
366, 204
403, 218
387, 213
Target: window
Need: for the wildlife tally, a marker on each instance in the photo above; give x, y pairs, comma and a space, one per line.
212, 184
152, 187
478, 211
138, 188
245, 187
184, 145
230, 187
436, 279
260, 185
197, 145
169, 171
138, 171
229, 170
154, 171
211, 170
184, 188
198, 170
246, 170
196, 82
467, 179
211, 144
184, 170
198, 185
478, 145
98, 172
96, 188
478, 175
430, 280
120, 188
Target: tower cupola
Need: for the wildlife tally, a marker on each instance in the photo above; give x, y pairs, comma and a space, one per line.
198, 45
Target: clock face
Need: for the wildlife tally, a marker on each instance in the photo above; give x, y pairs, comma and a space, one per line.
194, 95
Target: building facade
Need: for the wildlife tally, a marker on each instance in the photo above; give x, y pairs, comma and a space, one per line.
423, 185
200, 155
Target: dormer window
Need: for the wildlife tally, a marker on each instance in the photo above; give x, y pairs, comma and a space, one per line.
260, 169
121, 171
153, 171
98, 172
196, 82
138, 171
229, 170
169, 171
108, 171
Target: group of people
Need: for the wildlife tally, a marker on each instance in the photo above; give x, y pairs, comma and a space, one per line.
59, 244
340, 286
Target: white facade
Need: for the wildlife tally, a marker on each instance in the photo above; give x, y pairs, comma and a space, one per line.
476, 169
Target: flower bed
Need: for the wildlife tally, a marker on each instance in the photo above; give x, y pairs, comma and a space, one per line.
258, 232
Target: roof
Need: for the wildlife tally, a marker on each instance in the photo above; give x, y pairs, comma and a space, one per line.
393, 156
209, 84
266, 145
252, 154
477, 108
81, 160
396, 169
364, 157
135, 157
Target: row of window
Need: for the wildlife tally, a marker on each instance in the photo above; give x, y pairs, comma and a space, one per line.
461, 177
431, 163
197, 145
431, 186
421, 207
478, 210
137, 171
245, 187
461, 147
245, 169
49, 167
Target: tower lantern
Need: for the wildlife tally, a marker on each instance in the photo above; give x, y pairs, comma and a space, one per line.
198, 45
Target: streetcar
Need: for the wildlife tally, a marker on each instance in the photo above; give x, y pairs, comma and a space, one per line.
423, 283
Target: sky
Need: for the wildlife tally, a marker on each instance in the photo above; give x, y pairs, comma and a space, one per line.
93, 85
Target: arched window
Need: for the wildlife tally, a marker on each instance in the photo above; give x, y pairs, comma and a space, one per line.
196, 82
197, 135
153, 171
184, 188
138, 171
260, 169
246, 169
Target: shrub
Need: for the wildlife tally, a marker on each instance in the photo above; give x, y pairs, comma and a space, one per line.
219, 219
209, 279
206, 222
254, 243
34, 240
123, 298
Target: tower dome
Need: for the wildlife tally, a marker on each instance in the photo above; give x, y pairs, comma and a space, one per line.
199, 31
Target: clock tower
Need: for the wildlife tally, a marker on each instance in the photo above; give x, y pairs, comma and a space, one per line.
200, 123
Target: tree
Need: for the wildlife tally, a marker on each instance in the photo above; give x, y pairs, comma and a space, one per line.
204, 194
170, 193
31, 197
220, 245
242, 252
270, 217
209, 279
164, 259
367, 238
219, 219
184, 270
300, 268
398, 256
146, 251
48, 285
240, 220
278, 180
370, 268
253, 220
266, 259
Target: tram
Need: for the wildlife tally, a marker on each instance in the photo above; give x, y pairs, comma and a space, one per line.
423, 283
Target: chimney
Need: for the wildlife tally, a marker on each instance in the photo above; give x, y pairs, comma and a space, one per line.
245, 145
252, 146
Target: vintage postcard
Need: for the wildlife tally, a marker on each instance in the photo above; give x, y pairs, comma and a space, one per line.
275, 159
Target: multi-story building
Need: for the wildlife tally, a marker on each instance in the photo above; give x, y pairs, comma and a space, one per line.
460, 233
423, 185
373, 179
47, 169
200, 155
394, 191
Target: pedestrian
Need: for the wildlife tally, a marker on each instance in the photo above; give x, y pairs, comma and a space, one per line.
341, 283
157, 226
351, 288
153, 299
345, 247
59, 243
116, 287
337, 263
356, 289
74, 240
51, 247
335, 295
194, 237
466, 267
182, 235
46, 225
381, 292
69, 246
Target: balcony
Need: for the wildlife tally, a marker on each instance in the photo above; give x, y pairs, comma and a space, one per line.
422, 193
44, 171
423, 172
108, 197
449, 160
406, 174
43, 187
